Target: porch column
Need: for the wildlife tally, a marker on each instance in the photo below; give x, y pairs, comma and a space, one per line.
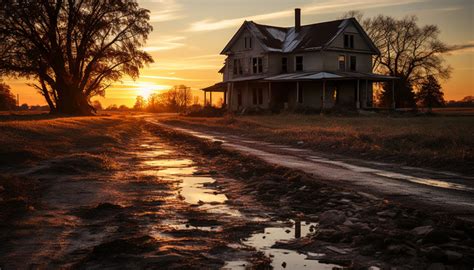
366, 103
210, 98
204, 98
225, 99
269, 94
323, 101
358, 95
297, 92
231, 93
393, 95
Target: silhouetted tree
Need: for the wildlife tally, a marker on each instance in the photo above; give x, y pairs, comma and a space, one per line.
73, 48
139, 104
430, 94
7, 99
408, 51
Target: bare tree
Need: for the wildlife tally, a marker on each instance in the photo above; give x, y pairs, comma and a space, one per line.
73, 48
408, 51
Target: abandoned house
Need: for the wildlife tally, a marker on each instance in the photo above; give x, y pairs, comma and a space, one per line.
320, 66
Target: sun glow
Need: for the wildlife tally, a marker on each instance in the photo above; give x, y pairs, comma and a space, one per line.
146, 89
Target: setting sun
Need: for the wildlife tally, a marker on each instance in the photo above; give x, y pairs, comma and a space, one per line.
145, 89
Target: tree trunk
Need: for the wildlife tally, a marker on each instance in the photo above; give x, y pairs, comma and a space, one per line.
73, 102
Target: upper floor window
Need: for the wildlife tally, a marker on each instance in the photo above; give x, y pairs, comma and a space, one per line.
284, 65
238, 70
353, 65
342, 62
299, 63
257, 65
248, 42
349, 41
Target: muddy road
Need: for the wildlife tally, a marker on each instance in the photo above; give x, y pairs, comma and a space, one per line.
154, 198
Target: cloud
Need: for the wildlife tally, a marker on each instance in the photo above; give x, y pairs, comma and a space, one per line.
167, 43
467, 47
169, 78
199, 62
316, 8
167, 10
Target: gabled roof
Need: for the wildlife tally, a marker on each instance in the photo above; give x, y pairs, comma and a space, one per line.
310, 37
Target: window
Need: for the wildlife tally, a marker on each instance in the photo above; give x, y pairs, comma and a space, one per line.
248, 42
342, 63
353, 63
284, 65
299, 63
257, 65
235, 67
300, 95
238, 67
349, 41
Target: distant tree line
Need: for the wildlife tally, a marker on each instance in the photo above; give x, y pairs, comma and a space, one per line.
178, 99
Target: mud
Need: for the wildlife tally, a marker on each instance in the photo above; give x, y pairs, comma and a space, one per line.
363, 231
159, 199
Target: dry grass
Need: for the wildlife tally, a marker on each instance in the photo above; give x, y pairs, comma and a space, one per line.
446, 142
25, 141
67, 145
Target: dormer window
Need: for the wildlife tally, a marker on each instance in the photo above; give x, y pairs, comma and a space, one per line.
248, 42
349, 41
299, 63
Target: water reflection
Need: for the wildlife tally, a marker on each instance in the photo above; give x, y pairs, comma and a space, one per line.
282, 258
194, 192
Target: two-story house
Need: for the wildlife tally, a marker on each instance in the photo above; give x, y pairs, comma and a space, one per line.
321, 66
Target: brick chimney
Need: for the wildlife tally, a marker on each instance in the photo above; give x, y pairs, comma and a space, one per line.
297, 20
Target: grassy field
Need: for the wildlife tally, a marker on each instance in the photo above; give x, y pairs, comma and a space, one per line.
440, 142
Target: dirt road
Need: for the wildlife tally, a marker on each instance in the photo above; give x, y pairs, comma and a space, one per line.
438, 190
121, 192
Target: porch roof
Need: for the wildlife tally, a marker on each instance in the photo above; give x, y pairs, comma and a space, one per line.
218, 87
333, 75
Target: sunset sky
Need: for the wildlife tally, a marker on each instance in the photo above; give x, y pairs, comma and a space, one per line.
189, 35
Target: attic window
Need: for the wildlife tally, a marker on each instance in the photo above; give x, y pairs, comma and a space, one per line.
248, 43
299, 63
349, 41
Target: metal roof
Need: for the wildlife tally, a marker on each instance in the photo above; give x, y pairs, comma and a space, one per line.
286, 39
333, 75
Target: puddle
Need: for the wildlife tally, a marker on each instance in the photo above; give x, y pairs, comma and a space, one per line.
168, 163
282, 258
194, 192
425, 181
